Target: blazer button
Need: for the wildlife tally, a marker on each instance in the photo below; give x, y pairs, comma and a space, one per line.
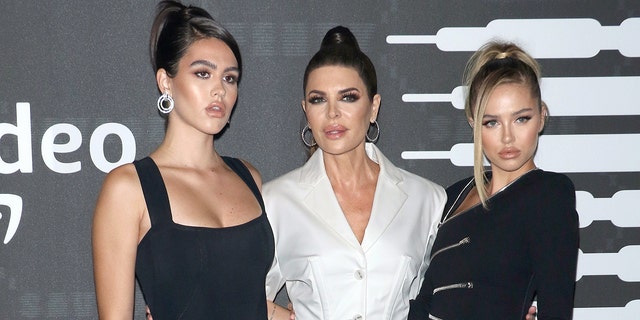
359, 274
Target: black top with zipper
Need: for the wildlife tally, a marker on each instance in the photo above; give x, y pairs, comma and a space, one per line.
489, 264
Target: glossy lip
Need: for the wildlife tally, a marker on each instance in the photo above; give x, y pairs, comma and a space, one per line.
216, 110
509, 153
334, 131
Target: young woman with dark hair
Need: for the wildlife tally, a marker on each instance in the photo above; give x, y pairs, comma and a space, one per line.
188, 223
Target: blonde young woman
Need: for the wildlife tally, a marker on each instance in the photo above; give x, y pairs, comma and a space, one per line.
509, 234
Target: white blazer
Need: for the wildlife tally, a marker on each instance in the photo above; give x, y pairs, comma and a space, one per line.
328, 273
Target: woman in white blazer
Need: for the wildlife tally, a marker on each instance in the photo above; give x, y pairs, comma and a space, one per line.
352, 231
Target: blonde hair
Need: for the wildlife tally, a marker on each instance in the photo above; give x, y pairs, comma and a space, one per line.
494, 64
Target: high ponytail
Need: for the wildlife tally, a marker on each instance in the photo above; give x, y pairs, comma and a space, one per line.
494, 64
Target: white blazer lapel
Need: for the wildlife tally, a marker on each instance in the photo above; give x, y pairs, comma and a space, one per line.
388, 200
322, 201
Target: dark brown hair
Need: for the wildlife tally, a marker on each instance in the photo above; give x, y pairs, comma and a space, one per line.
176, 27
340, 48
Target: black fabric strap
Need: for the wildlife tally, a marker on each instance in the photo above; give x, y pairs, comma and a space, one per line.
243, 172
155, 192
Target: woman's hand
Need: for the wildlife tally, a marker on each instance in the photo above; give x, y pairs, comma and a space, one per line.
532, 313
276, 312
292, 315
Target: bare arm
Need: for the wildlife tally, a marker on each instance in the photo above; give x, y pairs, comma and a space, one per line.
115, 235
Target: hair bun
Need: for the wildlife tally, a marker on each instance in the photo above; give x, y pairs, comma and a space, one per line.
503, 55
339, 36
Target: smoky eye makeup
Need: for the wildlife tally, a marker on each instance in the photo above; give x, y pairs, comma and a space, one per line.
523, 119
203, 74
350, 96
315, 98
489, 123
232, 79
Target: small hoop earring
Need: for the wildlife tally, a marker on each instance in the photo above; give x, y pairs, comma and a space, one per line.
375, 138
303, 134
165, 97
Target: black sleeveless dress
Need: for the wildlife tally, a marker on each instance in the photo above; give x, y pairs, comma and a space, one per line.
198, 272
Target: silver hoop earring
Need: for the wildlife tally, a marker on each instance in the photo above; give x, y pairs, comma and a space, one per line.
303, 134
375, 138
165, 97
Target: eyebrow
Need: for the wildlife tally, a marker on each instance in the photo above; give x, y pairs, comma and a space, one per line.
519, 112
343, 91
212, 65
348, 89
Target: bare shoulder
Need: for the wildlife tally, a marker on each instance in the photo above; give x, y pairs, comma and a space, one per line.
122, 179
121, 193
254, 173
